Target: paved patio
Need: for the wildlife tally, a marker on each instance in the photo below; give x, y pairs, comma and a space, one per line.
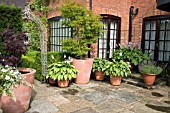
99, 97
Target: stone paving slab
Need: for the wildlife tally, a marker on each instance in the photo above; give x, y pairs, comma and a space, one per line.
85, 110
125, 96
42, 106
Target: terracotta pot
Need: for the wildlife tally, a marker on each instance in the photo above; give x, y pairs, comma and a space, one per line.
84, 70
149, 79
22, 93
99, 75
115, 80
63, 83
51, 81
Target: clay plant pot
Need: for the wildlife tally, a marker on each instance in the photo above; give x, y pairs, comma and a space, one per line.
63, 83
22, 93
149, 79
84, 68
51, 81
99, 75
115, 80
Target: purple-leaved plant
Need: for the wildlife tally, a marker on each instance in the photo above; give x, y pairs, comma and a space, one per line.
13, 47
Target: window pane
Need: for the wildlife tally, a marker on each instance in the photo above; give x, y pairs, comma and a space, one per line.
161, 45
160, 56
152, 45
146, 44
167, 46
147, 25
162, 24
147, 35
113, 25
152, 35
161, 35
167, 35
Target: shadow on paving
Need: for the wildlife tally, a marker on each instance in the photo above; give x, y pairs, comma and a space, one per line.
159, 108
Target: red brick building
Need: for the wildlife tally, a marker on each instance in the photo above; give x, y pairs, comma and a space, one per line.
149, 26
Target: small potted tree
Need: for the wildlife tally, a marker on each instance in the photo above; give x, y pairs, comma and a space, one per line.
63, 72
116, 70
99, 66
149, 71
86, 28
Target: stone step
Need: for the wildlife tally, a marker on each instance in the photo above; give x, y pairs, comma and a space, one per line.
137, 80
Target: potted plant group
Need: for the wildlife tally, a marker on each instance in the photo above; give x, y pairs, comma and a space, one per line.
149, 70
99, 66
62, 72
116, 70
85, 31
130, 52
15, 90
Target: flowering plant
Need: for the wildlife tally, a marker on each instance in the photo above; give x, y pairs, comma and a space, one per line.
10, 78
130, 52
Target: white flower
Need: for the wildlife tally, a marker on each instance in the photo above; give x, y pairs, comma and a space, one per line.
6, 66
120, 53
7, 77
4, 70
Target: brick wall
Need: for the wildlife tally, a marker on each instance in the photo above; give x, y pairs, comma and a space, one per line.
146, 8
121, 9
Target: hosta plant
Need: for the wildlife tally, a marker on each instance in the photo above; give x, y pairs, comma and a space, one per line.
118, 68
130, 52
99, 64
61, 71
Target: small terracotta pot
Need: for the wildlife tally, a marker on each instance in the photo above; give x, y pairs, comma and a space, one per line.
149, 79
99, 75
63, 83
115, 80
51, 81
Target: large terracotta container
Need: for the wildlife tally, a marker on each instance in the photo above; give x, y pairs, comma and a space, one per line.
115, 80
84, 68
22, 93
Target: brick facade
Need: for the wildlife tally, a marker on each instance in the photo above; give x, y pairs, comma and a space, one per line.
121, 9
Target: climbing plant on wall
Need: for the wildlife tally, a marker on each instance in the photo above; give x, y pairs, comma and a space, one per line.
32, 28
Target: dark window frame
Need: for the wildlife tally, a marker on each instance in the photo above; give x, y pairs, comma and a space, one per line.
118, 30
155, 19
59, 29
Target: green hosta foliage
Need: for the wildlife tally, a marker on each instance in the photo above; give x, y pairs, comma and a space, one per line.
10, 16
61, 71
86, 28
130, 52
100, 64
118, 68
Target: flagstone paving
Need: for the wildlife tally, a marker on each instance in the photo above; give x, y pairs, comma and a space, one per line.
99, 97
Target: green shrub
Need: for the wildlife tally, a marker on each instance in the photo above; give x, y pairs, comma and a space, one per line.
10, 16
33, 60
